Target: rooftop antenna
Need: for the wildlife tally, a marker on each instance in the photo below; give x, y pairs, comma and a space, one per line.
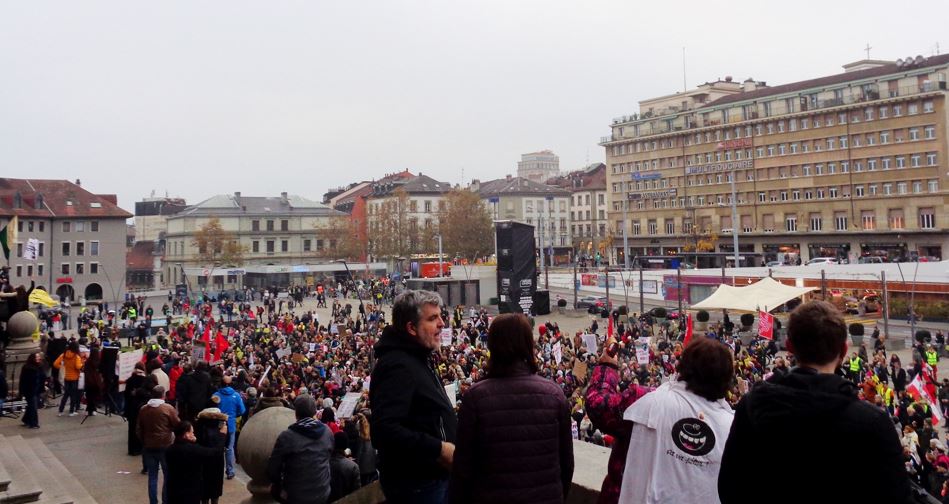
867, 49
937, 49
685, 87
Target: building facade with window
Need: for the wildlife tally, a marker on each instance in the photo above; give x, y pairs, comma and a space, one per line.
539, 166
81, 235
846, 166
279, 235
545, 207
419, 199
590, 230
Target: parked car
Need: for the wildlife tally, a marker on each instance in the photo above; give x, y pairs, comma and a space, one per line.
820, 261
871, 260
593, 304
774, 264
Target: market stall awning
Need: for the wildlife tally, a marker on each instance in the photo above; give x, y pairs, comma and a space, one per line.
767, 294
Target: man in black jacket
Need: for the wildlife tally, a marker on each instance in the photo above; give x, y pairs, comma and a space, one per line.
299, 466
413, 423
817, 414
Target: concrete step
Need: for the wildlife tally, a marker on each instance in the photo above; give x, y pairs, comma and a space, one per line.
73, 486
53, 491
23, 486
4, 475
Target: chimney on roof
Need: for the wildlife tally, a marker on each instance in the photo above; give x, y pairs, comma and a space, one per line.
78, 182
508, 177
237, 194
283, 198
749, 85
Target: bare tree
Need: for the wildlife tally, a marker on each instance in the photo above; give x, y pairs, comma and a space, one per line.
465, 226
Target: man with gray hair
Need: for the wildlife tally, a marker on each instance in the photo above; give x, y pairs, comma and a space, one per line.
413, 422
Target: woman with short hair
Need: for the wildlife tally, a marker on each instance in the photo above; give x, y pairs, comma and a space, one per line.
514, 442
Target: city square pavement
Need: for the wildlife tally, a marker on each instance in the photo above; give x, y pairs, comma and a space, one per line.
95, 452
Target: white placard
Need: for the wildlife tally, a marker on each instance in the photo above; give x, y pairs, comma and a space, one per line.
642, 351
312, 347
446, 337
126, 364
348, 405
451, 390
30, 251
558, 352
589, 341
283, 353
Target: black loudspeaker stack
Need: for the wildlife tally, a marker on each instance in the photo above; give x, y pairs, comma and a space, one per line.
517, 267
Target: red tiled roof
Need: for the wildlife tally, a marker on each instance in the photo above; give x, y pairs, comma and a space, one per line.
55, 198
140, 257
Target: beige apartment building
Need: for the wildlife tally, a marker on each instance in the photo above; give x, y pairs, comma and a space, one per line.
850, 165
590, 230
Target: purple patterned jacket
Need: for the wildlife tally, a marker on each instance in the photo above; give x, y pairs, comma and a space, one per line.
605, 406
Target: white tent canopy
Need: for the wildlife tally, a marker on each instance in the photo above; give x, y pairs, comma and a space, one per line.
766, 294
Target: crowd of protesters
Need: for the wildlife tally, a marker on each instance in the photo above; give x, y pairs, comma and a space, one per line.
217, 362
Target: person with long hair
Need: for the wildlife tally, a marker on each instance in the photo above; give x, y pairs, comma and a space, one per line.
514, 441
71, 362
32, 385
94, 383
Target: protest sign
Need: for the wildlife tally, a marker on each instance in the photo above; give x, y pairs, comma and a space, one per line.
126, 363
642, 351
558, 352
451, 390
589, 341
348, 405
446, 337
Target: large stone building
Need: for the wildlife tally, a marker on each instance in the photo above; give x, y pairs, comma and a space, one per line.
545, 207
539, 166
151, 216
417, 201
284, 240
848, 165
81, 238
590, 229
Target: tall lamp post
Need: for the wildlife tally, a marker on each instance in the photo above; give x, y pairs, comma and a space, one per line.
362, 309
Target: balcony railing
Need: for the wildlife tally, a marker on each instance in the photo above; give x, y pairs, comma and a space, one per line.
857, 96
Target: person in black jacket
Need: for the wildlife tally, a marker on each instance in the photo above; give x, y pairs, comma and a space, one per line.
817, 414
186, 463
193, 391
135, 397
207, 431
299, 465
413, 423
32, 385
344, 472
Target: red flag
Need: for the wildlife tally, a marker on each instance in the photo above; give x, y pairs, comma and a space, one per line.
220, 345
688, 328
609, 327
206, 338
765, 325
921, 392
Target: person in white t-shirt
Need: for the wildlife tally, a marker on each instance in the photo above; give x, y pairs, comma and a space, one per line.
679, 431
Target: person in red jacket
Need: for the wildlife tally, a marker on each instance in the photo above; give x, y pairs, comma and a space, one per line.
173, 374
605, 406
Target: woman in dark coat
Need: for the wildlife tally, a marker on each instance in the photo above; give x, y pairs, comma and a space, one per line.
514, 442
187, 461
207, 430
32, 385
135, 398
94, 383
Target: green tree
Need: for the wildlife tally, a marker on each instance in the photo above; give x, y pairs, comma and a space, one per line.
465, 226
216, 246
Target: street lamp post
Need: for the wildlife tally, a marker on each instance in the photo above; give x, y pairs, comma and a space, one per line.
439, 236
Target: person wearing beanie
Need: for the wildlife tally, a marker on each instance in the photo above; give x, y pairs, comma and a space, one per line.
299, 466
344, 472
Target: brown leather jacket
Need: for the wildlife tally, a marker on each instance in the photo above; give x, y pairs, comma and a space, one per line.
156, 423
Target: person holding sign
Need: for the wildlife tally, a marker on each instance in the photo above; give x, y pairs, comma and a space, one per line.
514, 440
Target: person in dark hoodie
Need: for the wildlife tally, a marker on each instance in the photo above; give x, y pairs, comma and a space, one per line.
413, 423
344, 472
232, 405
299, 465
818, 414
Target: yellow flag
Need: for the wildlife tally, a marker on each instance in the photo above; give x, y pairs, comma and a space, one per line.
39, 296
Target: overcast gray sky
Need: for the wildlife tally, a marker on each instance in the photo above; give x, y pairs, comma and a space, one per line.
201, 97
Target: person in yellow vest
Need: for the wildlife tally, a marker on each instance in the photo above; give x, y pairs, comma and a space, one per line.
856, 366
932, 357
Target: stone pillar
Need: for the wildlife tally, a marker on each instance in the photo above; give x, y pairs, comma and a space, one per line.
256, 443
21, 327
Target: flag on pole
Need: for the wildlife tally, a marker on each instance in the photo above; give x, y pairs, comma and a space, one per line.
609, 327
688, 328
220, 345
206, 338
765, 325
8, 237
918, 391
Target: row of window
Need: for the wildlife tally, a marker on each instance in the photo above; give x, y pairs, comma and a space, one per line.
918, 160
39, 226
64, 268
68, 248
270, 245
895, 220
580, 215
270, 225
391, 206
584, 199
885, 137
777, 127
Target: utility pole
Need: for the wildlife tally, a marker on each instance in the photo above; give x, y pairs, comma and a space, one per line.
679, 289
440, 263
734, 220
574, 283
625, 233
607, 269
540, 239
823, 284
886, 307
642, 302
